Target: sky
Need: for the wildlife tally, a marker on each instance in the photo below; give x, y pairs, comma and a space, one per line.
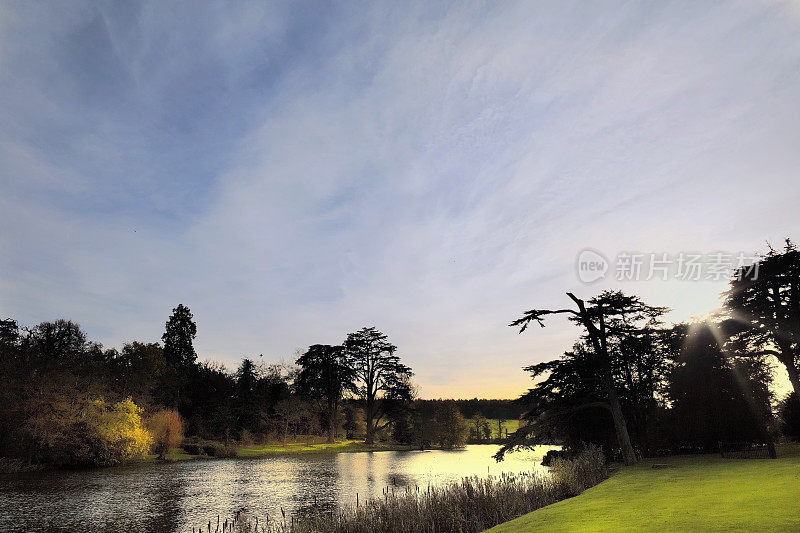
296, 171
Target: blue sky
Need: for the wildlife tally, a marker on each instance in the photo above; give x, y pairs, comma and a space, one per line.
295, 171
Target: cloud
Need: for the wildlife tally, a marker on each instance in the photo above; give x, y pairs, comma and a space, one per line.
294, 174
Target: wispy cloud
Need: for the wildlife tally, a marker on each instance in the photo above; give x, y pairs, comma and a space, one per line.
295, 172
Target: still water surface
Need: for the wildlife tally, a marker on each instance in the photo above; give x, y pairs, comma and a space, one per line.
176, 496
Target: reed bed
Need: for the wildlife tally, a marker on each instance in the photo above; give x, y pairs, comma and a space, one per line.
472, 505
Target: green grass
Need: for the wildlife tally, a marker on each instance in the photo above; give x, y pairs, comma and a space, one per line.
695, 493
288, 448
175, 455
292, 448
507, 425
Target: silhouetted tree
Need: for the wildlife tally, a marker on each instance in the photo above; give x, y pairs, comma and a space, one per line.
567, 406
450, 426
209, 409
609, 320
379, 376
490, 408
180, 357
789, 410
354, 425
325, 376
247, 404
295, 416
714, 397
481, 427
139, 372
61, 339
764, 301
178, 337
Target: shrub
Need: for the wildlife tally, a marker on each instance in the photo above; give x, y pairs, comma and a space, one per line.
122, 431
191, 447
587, 469
166, 428
208, 448
552, 455
89, 433
218, 449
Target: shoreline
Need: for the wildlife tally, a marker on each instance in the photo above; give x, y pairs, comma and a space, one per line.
12, 466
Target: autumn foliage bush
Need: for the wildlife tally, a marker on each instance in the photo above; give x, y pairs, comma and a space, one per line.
89, 432
166, 428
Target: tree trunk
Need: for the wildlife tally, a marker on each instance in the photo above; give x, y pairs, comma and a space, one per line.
794, 374
620, 427
600, 347
370, 432
332, 424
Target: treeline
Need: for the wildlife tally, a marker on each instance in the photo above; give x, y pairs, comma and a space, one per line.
639, 387
492, 409
66, 400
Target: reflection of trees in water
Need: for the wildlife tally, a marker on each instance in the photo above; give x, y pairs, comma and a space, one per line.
318, 481
166, 501
175, 497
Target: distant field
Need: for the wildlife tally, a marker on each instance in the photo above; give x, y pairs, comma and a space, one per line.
508, 425
694, 493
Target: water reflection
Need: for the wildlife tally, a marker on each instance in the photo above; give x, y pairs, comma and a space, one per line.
175, 497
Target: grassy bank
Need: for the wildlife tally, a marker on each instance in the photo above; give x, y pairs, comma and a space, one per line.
305, 446
295, 448
694, 493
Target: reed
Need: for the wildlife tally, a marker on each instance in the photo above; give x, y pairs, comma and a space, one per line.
471, 505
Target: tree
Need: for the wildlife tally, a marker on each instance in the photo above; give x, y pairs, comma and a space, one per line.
179, 355
450, 426
325, 376
60, 339
138, 371
180, 332
764, 301
790, 416
569, 405
247, 407
481, 427
380, 377
354, 425
166, 428
716, 397
608, 320
295, 416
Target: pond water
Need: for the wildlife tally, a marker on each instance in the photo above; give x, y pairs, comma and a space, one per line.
176, 496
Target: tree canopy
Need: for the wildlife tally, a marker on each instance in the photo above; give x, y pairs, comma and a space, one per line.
380, 377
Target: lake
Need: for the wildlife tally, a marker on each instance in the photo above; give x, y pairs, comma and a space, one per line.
176, 496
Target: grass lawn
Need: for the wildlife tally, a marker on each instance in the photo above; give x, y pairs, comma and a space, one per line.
695, 493
291, 448
507, 425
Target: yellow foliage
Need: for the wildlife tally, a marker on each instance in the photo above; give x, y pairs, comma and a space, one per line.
121, 428
82, 431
